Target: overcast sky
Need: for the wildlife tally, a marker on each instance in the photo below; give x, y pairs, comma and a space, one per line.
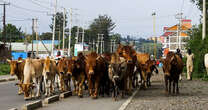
132, 17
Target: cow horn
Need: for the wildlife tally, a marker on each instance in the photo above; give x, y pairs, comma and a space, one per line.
20, 61
8, 60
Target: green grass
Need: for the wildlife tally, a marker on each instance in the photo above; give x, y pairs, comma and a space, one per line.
4, 69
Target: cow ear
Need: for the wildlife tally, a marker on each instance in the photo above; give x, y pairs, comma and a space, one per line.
8, 60
172, 58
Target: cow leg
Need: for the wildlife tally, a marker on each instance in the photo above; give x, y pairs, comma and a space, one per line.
74, 83
46, 86
169, 91
38, 87
97, 81
166, 84
82, 79
174, 86
90, 83
177, 88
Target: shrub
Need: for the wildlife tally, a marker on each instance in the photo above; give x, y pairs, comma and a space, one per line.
4, 69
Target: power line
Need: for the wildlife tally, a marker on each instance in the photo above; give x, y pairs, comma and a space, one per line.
26, 9
33, 1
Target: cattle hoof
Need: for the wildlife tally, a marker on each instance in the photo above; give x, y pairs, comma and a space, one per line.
27, 98
94, 97
80, 96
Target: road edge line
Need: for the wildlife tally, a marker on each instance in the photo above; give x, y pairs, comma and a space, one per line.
126, 103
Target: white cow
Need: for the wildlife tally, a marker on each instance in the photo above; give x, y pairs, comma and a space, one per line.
32, 77
206, 62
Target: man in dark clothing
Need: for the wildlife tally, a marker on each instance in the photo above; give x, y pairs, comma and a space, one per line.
178, 52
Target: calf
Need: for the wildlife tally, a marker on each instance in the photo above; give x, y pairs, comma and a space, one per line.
172, 68
49, 72
17, 68
76, 68
116, 71
148, 69
63, 76
95, 69
142, 58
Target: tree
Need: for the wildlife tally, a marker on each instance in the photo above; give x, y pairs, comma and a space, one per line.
14, 34
59, 23
198, 46
102, 25
46, 36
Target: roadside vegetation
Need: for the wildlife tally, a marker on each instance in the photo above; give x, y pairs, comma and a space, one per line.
198, 46
4, 69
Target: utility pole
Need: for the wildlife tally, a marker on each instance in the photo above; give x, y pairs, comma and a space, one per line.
64, 29
59, 37
204, 20
179, 17
93, 43
54, 28
83, 36
4, 21
70, 32
37, 41
33, 23
155, 45
77, 39
98, 42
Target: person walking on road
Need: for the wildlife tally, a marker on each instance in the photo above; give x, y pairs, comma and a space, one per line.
189, 64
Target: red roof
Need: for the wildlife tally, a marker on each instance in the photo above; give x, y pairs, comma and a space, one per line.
165, 28
167, 34
186, 20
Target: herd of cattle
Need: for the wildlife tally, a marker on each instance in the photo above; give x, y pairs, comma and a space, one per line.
109, 73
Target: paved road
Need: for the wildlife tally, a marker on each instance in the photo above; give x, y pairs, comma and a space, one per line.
8, 96
10, 99
86, 103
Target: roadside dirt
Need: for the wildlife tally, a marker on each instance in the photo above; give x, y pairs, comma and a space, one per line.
193, 96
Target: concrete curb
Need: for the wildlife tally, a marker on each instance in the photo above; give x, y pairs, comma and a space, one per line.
51, 99
32, 105
13, 109
66, 94
7, 79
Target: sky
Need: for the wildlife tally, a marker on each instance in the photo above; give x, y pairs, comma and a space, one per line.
132, 17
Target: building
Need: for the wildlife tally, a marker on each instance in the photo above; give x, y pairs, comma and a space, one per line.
21, 48
176, 36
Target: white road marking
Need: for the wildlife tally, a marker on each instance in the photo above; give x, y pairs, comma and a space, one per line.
125, 104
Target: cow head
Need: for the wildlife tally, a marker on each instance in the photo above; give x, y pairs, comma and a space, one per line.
62, 66
71, 66
127, 54
114, 70
167, 65
13, 66
26, 88
91, 61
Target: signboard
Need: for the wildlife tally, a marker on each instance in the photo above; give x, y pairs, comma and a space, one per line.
78, 48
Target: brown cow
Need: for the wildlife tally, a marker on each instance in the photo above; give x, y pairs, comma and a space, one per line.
76, 68
95, 70
148, 69
63, 76
142, 58
49, 72
130, 55
17, 68
172, 68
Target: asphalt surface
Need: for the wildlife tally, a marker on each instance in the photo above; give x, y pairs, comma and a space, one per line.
9, 97
85, 103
